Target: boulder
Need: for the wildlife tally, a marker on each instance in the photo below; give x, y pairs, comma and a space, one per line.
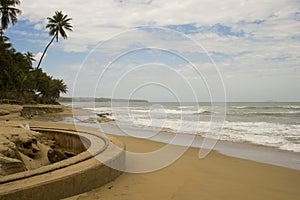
56, 155
10, 159
10, 165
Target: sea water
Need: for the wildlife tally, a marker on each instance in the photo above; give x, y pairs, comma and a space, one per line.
270, 124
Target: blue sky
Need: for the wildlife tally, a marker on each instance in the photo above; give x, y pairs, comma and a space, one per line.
198, 49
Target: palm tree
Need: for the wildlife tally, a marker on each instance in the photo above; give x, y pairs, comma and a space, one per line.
4, 43
56, 25
57, 86
8, 13
29, 57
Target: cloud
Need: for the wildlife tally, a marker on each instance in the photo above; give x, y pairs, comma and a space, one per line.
38, 56
95, 21
251, 39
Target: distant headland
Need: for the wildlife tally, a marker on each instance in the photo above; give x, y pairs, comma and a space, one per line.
91, 99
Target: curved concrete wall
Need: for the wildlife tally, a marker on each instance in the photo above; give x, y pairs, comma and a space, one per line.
76, 143
69, 177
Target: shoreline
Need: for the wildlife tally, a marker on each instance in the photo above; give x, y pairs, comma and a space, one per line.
248, 151
217, 176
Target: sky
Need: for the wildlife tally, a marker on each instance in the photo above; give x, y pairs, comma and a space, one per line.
161, 50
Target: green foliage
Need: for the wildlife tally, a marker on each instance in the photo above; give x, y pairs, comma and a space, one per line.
19, 81
57, 25
17, 78
8, 12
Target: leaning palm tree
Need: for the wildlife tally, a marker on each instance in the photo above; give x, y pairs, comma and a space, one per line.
8, 12
56, 25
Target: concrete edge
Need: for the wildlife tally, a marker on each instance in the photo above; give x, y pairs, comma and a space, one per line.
72, 179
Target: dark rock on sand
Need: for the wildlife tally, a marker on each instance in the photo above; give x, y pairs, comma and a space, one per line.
103, 114
56, 155
103, 117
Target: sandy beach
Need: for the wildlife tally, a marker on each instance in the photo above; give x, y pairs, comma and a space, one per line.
215, 177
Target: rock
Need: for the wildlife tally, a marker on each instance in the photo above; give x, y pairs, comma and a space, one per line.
103, 117
69, 154
4, 112
7, 160
15, 145
26, 144
10, 165
23, 149
26, 114
31, 110
8, 148
40, 159
103, 114
56, 155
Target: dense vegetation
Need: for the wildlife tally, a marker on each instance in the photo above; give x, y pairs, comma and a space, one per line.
20, 82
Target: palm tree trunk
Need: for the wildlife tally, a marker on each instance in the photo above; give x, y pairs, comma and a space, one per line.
36, 69
45, 52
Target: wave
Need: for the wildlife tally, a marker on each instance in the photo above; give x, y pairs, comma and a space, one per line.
281, 134
279, 114
162, 111
291, 107
185, 107
203, 112
263, 113
170, 111
296, 107
290, 147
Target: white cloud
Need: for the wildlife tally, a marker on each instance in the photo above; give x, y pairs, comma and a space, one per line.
38, 56
95, 20
270, 32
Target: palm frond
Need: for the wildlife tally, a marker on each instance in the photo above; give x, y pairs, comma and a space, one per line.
57, 24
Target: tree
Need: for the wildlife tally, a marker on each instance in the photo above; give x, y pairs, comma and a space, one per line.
29, 57
57, 25
8, 13
18, 81
4, 43
50, 88
57, 86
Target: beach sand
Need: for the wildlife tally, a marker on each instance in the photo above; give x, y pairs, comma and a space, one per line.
215, 177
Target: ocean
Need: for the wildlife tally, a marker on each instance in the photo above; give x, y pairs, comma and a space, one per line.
269, 124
